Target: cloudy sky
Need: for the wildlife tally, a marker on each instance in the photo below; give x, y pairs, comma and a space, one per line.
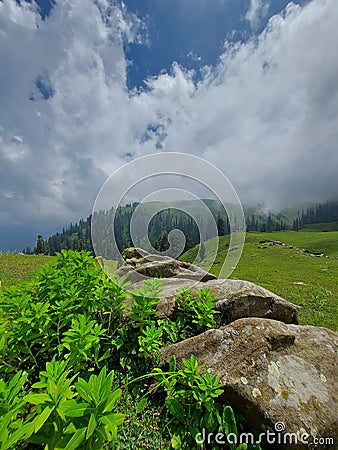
88, 85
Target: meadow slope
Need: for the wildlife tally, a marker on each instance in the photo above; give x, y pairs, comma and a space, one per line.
15, 268
308, 281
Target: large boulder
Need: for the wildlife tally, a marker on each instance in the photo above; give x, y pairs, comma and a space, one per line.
235, 299
140, 264
238, 299
275, 374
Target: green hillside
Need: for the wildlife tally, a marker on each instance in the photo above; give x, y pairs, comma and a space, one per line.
309, 281
329, 226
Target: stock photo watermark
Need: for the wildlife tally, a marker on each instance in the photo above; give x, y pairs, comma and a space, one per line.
170, 182
279, 436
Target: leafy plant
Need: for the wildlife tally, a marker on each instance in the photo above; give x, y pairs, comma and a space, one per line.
62, 414
196, 315
145, 300
83, 342
190, 401
150, 340
192, 404
11, 407
138, 337
26, 325
40, 317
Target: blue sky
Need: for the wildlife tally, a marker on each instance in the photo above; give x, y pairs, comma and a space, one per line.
85, 86
189, 32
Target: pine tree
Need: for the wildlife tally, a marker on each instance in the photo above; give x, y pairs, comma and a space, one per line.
40, 245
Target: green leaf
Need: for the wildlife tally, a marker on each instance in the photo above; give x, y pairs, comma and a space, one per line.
209, 421
70, 429
76, 440
75, 409
37, 399
4, 422
141, 405
172, 364
22, 433
42, 418
176, 442
105, 383
229, 421
82, 389
175, 408
39, 385
91, 426
112, 421
16, 384
112, 399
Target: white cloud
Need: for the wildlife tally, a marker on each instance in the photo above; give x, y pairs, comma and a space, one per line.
266, 114
15, 150
257, 11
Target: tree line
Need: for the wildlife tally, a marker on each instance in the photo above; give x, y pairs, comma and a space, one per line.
78, 236
321, 213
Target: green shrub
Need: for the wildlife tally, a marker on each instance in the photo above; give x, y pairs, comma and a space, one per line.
71, 300
191, 401
196, 315
61, 413
64, 335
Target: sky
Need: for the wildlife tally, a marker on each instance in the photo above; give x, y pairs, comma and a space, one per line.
88, 85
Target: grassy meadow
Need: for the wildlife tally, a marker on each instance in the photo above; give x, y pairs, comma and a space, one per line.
15, 268
308, 281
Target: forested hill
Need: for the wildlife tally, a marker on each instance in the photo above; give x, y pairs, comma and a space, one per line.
78, 236
322, 213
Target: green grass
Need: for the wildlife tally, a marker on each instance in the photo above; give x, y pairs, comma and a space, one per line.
144, 429
15, 268
312, 242
109, 265
308, 281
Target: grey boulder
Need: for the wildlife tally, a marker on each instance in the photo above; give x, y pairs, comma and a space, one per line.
235, 299
139, 265
274, 373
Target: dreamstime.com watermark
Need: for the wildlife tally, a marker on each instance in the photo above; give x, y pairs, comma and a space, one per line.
163, 185
269, 437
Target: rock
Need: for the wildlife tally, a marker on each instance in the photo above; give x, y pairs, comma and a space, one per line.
235, 299
238, 299
134, 252
140, 264
273, 373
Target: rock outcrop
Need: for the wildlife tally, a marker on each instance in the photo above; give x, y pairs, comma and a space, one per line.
140, 264
235, 299
274, 373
